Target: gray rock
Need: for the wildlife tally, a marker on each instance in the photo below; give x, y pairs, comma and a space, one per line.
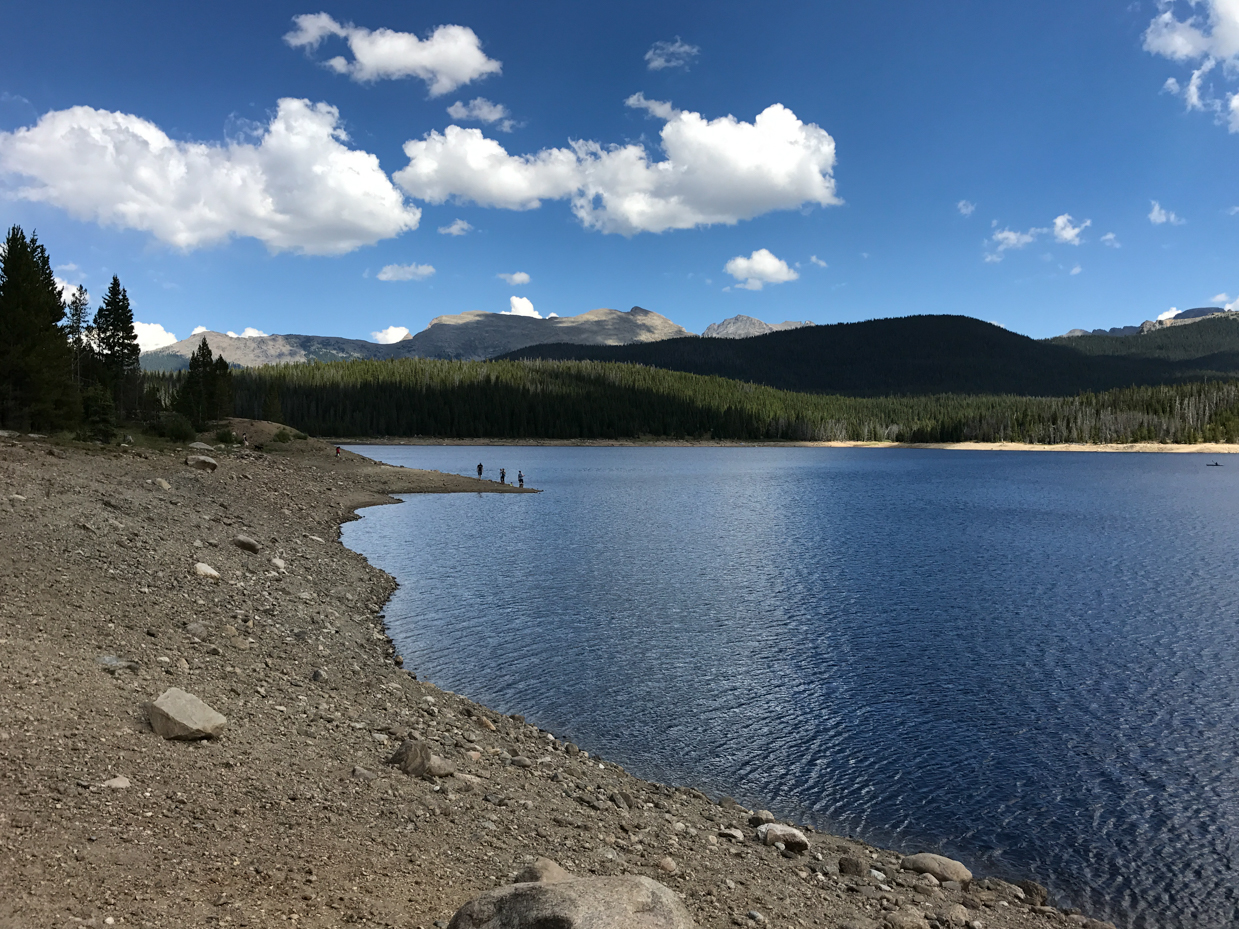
583, 903
439, 767
162, 484
542, 871
907, 917
245, 543
1034, 893
180, 715
761, 817
520, 761
363, 774
735, 835
203, 446
793, 839
941, 867
319, 675
956, 914
201, 462
202, 569
668, 864
113, 665
412, 757
120, 782
861, 922
852, 867
197, 630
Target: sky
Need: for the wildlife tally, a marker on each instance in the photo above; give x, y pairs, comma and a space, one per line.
357, 169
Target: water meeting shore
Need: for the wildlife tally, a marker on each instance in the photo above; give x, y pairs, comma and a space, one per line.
293, 815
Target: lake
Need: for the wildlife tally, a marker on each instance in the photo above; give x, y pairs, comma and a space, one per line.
1025, 660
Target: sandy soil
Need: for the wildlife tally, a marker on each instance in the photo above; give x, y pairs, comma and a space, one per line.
1206, 448
293, 817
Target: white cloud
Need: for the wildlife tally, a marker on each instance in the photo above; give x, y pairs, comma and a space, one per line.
1076, 270
300, 188
1110, 240
1158, 216
481, 110
458, 227
759, 269
965, 207
249, 332
410, 272
817, 261
67, 291
716, 171
153, 335
1067, 233
520, 277
390, 334
1169, 314
449, 57
675, 54
1005, 239
198, 329
522, 306
1221, 298
1209, 35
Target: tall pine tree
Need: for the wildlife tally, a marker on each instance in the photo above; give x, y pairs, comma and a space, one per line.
206, 393
117, 345
77, 330
36, 378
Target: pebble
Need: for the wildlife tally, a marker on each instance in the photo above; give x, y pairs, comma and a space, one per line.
202, 569
278, 564
319, 675
668, 864
520, 761
162, 484
120, 782
197, 630
245, 543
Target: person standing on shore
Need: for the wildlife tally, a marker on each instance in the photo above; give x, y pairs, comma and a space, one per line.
479, 470
520, 478
503, 475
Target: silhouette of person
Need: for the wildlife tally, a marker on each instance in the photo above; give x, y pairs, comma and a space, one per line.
479, 470
337, 451
503, 476
520, 478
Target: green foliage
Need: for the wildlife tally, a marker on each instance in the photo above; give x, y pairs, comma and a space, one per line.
1211, 343
37, 390
584, 400
98, 414
227, 437
205, 394
77, 330
272, 412
116, 345
300, 436
282, 435
175, 427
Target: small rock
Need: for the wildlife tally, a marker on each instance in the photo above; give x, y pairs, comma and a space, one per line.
180, 715
162, 484
197, 630
319, 675
761, 817
277, 563
1034, 893
486, 724
412, 757
203, 446
439, 767
668, 864
314, 538
774, 833
202, 569
214, 650
520, 761
113, 665
542, 871
861, 922
755, 916
201, 462
473, 756
182, 664
363, 774
120, 782
245, 543
941, 867
735, 835
907, 917
956, 913
852, 867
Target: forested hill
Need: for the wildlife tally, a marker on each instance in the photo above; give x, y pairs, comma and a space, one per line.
1208, 344
886, 357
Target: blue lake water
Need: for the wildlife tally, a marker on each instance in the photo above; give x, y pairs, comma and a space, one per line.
1028, 661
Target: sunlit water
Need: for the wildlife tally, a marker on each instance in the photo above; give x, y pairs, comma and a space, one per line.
1028, 661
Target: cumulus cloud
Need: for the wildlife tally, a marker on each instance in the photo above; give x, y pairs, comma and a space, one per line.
965, 207
1169, 314
677, 54
298, 187
1110, 240
390, 334
457, 227
1076, 270
249, 332
522, 306
1208, 34
410, 272
447, 58
67, 291
520, 277
718, 171
481, 110
198, 329
1221, 298
817, 261
1158, 216
759, 269
153, 335
1065, 232
1005, 239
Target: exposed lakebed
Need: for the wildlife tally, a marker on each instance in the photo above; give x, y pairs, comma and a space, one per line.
1027, 661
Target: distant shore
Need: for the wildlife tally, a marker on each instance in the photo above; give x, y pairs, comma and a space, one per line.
1208, 448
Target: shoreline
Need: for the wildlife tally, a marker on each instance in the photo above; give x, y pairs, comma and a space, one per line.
294, 813
1207, 448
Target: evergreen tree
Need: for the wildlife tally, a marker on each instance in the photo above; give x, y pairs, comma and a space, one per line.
117, 343
271, 410
196, 398
221, 384
36, 377
78, 330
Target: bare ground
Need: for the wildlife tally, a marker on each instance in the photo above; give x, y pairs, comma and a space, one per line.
293, 817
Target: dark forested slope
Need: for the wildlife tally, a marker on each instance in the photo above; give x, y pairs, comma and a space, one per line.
884, 357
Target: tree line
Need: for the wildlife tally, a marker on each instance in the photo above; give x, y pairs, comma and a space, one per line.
64, 368
608, 400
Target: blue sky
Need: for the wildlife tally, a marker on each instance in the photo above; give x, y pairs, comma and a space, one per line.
1043, 166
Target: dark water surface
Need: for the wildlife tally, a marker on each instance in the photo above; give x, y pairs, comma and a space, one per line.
1028, 661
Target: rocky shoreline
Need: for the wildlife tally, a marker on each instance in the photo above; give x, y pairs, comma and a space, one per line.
340, 790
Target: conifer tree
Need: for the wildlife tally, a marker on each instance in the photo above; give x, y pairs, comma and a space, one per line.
78, 330
36, 378
117, 343
196, 397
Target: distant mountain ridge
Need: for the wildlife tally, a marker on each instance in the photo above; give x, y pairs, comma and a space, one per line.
1153, 325
745, 327
471, 336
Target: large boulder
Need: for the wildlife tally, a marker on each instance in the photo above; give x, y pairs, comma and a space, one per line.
941, 867
180, 715
583, 903
412, 757
201, 462
793, 839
